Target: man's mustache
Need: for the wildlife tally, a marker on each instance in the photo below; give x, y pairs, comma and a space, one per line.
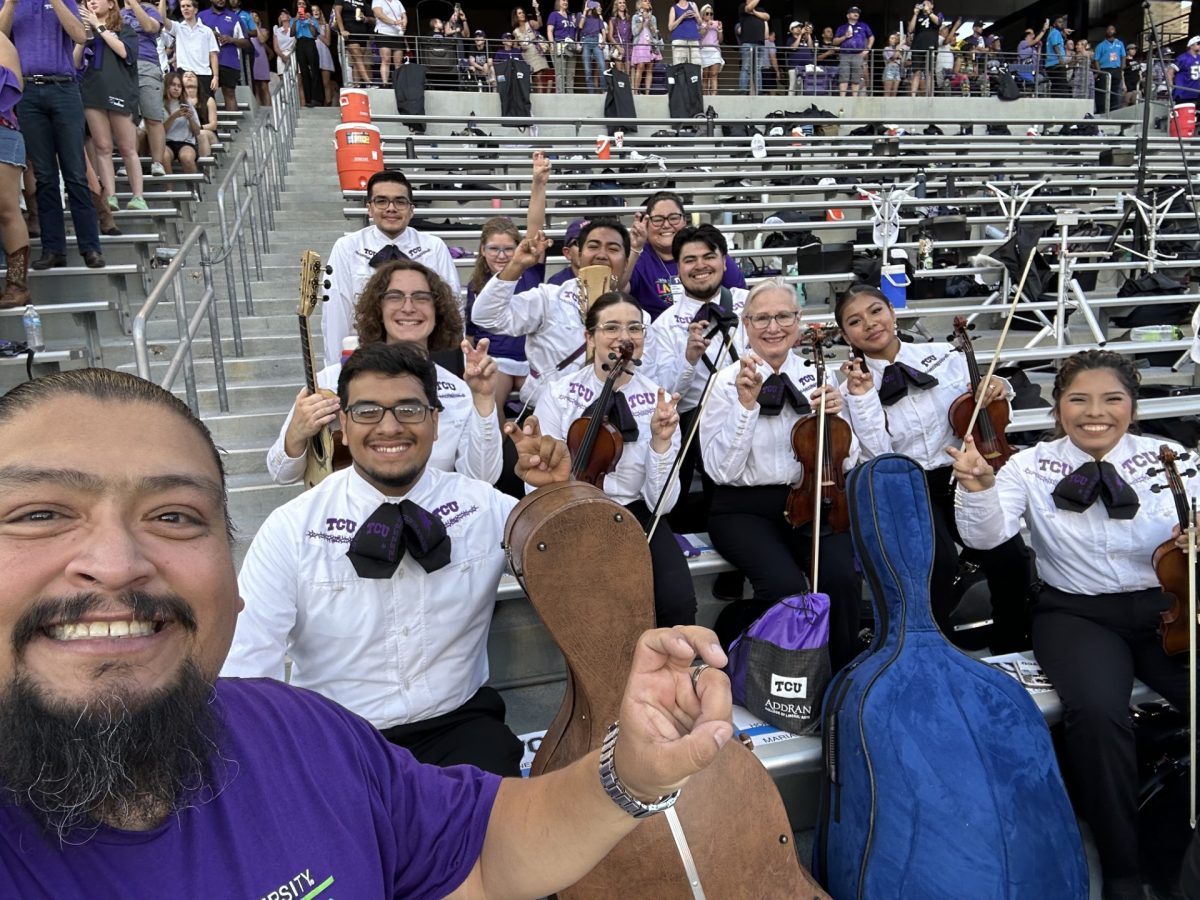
62, 610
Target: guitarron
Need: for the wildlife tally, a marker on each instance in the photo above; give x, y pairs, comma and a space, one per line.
325, 453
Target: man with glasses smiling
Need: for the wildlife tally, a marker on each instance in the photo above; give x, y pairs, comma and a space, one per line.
354, 256
379, 583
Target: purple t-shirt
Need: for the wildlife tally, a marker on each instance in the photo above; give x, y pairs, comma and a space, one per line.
10, 94
564, 26
224, 22
147, 43
1187, 77
313, 802
685, 29
857, 41
42, 45
506, 346
652, 280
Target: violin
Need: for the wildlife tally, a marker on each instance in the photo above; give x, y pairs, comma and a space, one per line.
1170, 562
594, 443
993, 419
821, 444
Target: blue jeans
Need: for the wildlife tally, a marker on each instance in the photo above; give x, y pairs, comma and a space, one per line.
750, 63
592, 55
51, 118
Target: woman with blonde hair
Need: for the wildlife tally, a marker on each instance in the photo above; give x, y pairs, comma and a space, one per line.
711, 60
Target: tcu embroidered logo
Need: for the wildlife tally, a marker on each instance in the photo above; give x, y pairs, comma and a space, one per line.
927, 360
1054, 466
1139, 461
347, 525
582, 392
446, 509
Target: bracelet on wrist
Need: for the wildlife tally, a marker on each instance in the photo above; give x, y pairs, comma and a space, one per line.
616, 790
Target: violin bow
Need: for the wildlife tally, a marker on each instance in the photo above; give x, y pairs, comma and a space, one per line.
1012, 309
1191, 556
818, 493
726, 346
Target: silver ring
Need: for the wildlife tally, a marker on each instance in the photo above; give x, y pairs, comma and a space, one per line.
696, 676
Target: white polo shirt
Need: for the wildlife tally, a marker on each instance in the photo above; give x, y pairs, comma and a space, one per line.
193, 43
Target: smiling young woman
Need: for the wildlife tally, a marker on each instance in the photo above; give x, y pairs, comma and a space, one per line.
1094, 522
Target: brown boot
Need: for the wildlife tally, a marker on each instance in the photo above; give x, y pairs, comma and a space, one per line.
104, 214
16, 285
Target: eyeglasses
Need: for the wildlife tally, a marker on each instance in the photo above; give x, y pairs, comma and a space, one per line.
497, 250
762, 321
672, 219
612, 329
418, 298
385, 202
407, 413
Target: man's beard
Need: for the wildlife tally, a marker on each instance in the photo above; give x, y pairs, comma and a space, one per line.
75, 767
400, 481
697, 293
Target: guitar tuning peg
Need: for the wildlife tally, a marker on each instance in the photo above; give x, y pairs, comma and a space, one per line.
328, 284
329, 270
1189, 473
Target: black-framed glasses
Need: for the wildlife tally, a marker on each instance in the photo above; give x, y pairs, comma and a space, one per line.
612, 329
672, 219
385, 202
407, 413
418, 298
762, 321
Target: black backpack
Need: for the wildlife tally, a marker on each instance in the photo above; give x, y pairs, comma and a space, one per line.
1007, 87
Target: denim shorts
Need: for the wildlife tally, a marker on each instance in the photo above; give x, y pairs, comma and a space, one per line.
12, 147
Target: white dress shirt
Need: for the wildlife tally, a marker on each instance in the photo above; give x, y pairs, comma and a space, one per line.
743, 448
193, 43
393, 650
918, 424
640, 473
666, 346
350, 270
466, 441
1081, 553
549, 315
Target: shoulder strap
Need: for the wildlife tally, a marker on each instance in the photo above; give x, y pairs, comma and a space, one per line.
726, 299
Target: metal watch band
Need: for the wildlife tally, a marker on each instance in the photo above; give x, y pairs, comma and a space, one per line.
611, 782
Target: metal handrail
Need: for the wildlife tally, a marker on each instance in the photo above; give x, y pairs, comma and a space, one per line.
182, 358
249, 178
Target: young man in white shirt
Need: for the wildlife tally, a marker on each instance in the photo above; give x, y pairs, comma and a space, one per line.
390, 209
196, 48
393, 628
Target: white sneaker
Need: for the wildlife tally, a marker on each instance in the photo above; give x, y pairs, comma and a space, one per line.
121, 173
156, 168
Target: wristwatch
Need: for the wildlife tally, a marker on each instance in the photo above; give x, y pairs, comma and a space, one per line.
101, 29
611, 782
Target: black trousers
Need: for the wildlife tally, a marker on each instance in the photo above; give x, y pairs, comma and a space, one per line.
674, 593
747, 527
690, 514
1091, 648
1008, 567
310, 70
474, 734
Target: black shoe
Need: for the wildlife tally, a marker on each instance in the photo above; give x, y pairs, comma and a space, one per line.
729, 586
49, 261
93, 259
112, 232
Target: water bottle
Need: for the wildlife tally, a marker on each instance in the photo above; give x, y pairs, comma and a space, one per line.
33, 328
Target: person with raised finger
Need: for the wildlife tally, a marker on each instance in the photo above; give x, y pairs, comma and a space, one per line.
647, 419
746, 441
1092, 498
404, 302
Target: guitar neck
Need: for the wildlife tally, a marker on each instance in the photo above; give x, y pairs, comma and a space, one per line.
306, 354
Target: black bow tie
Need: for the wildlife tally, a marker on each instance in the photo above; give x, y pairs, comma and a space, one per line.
721, 319
1079, 490
381, 541
618, 415
896, 380
778, 390
387, 254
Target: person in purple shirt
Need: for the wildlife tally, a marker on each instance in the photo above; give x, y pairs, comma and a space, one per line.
570, 251
144, 18
51, 116
855, 40
508, 49
652, 272
226, 24
591, 32
130, 770
1184, 73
